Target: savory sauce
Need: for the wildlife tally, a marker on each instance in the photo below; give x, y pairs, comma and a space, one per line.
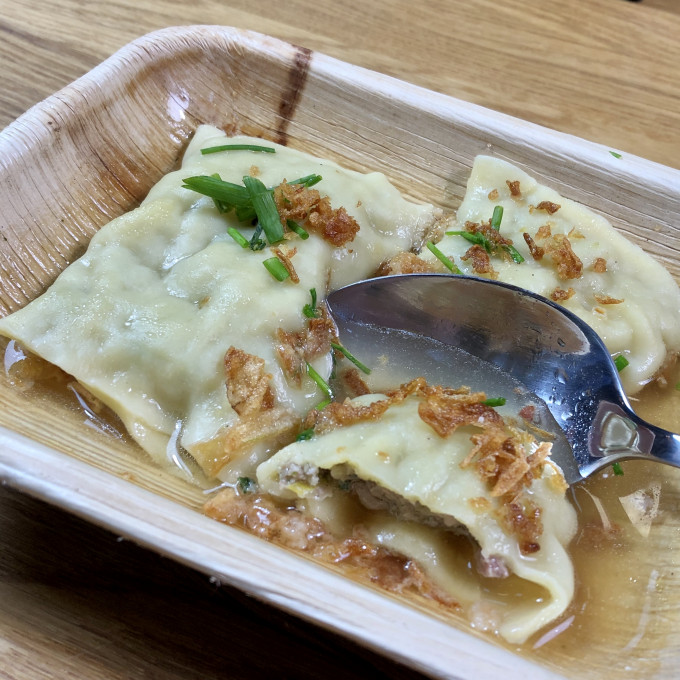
623, 618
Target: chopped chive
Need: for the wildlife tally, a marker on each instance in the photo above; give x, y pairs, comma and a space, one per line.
221, 206
442, 258
237, 147
305, 435
232, 195
334, 363
265, 208
677, 386
621, 362
308, 180
323, 385
246, 484
322, 404
238, 237
294, 226
618, 470
497, 217
276, 268
475, 237
256, 243
351, 357
494, 401
514, 254
616, 155
246, 213
309, 310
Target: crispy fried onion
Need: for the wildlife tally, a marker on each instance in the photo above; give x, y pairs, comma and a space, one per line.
313, 212
285, 525
513, 186
544, 231
250, 394
568, 264
600, 265
502, 461
561, 295
248, 388
344, 413
481, 262
409, 263
536, 251
478, 254
547, 206
522, 517
296, 348
354, 383
607, 299
285, 257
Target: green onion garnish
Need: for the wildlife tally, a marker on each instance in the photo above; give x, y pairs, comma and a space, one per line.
265, 208
334, 362
351, 357
677, 387
238, 147
494, 401
621, 362
616, 155
442, 258
309, 310
514, 254
246, 213
323, 385
276, 268
305, 435
307, 180
322, 404
294, 226
232, 195
221, 206
238, 237
618, 470
256, 243
246, 484
497, 217
473, 237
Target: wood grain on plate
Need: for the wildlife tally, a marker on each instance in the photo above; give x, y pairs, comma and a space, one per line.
93, 150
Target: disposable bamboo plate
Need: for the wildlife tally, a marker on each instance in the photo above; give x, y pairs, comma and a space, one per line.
93, 150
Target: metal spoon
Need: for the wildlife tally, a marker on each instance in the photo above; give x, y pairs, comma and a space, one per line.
545, 347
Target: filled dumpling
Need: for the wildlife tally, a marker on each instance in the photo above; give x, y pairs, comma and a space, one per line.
183, 332
511, 228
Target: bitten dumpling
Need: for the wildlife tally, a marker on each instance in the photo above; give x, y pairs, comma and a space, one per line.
436, 457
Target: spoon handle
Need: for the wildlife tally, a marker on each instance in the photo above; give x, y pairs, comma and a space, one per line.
618, 433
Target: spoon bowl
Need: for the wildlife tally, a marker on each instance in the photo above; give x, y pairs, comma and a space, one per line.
544, 347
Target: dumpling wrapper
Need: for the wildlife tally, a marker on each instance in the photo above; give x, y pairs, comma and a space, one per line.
404, 455
645, 327
143, 319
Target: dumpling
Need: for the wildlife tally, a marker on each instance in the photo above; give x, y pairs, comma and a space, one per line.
147, 316
435, 457
572, 256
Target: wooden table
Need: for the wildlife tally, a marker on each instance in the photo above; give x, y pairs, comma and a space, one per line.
76, 602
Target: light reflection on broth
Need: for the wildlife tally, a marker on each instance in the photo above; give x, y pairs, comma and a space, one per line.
627, 585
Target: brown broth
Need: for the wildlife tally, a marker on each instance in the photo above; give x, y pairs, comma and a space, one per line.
622, 621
